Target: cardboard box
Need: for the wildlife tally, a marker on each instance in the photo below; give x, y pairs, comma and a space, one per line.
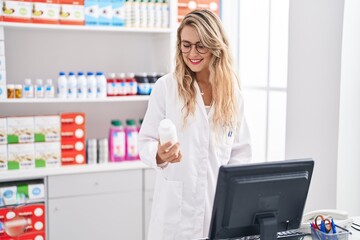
3, 92
91, 9
3, 131
3, 158
73, 158
46, 11
2, 77
8, 194
47, 155
21, 156
17, 11
72, 12
20, 130
73, 119
47, 128
32, 191
105, 13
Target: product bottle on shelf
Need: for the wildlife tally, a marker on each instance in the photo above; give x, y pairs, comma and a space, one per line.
121, 85
158, 13
117, 142
39, 89
18, 91
152, 80
28, 89
143, 86
128, 13
62, 85
72, 85
111, 85
101, 85
143, 13
49, 89
151, 13
81, 85
140, 123
131, 140
103, 156
131, 84
91, 151
165, 14
91, 85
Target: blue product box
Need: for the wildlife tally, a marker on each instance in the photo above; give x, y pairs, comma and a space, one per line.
118, 12
105, 12
91, 12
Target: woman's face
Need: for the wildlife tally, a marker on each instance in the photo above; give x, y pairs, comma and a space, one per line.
195, 55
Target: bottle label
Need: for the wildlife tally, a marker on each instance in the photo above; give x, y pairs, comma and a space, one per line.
132, 149
119, 144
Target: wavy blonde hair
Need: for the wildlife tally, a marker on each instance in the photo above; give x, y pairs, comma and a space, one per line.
222, 77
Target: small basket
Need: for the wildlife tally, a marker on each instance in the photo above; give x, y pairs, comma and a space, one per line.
319, 235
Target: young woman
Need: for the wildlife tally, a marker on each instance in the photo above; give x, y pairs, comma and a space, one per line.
203, 99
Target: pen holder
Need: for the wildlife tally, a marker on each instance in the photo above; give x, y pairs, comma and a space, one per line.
319, 235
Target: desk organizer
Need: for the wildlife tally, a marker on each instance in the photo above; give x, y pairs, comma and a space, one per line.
318, 235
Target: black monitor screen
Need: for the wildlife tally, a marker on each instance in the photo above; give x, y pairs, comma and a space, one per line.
260, 199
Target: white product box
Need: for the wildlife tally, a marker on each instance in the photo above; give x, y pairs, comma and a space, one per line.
2, 48
21, 156
3, 93
2, 33
20, 129
2, 77
46, 11
36, 191
8, 195
47, 154
47, 128
3, 158
3, 131
2, 63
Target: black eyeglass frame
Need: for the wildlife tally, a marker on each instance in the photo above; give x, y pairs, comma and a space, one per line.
190, 47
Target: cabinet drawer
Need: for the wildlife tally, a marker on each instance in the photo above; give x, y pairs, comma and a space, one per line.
149, 179
94, 183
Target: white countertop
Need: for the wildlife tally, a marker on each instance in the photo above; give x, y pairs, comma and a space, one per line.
64, 170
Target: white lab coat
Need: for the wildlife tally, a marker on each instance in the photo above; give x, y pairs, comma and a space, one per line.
184, 191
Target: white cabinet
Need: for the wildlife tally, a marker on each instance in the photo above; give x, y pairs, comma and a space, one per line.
95, 206
149, 184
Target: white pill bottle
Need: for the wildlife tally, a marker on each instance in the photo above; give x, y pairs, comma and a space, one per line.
167, 132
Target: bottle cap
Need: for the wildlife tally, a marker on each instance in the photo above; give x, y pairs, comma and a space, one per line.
49, 81
116, 123
80, 74
130, 122
39, 81
28, 81
71, 74
62, 74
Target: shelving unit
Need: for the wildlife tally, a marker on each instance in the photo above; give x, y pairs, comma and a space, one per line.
106, 190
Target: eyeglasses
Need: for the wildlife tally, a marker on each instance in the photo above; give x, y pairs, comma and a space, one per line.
185, 47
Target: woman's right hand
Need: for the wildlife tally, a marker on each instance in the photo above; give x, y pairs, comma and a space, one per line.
168, 152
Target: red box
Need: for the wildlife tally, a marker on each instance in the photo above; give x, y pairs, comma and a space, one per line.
17, 11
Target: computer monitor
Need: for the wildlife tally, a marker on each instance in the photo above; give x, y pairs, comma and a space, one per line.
260, 199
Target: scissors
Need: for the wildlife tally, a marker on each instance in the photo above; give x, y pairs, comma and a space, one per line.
324, 224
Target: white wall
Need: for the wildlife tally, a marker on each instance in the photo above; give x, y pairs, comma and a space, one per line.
348, 191
315, 34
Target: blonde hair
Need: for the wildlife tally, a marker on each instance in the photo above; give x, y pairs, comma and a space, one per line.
222, 78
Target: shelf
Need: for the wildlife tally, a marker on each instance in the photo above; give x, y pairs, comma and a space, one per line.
84, 28
12, 175
137, 98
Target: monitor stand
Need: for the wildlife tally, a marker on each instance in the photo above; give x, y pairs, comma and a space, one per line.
268, 227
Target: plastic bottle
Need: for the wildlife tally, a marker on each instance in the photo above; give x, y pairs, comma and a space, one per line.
18, 91
165, 14
140, 123
49, 89
128, 13
131, 140
131, 84
28, 89
111, 89
158, 13
121, 85
143, 86
72, 86
143, 13
101, 83
135, 13
151, 14
103, 156
117, 142
62, 85
39, 88
81, 86
91, 149
167, 132
10, 90
152, 77
91, 85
